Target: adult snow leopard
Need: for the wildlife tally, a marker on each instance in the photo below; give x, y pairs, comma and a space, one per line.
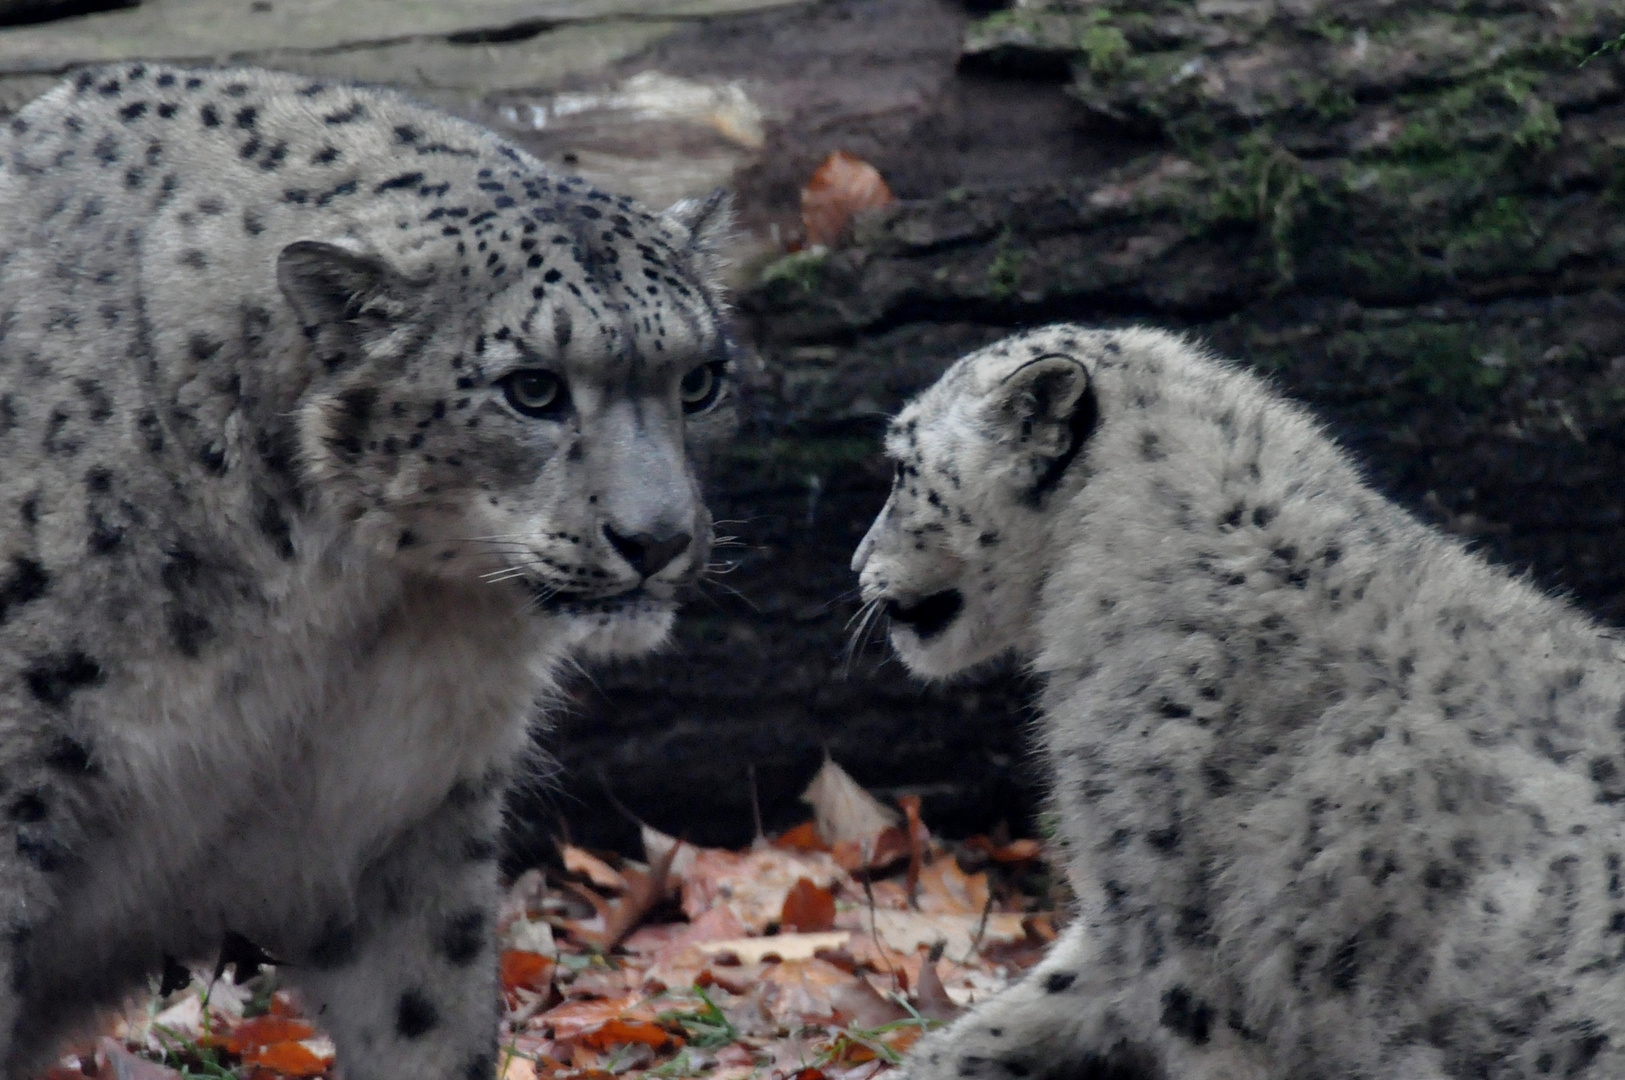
330, 425
1338, 798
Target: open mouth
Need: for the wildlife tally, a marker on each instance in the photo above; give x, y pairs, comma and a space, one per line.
929, 616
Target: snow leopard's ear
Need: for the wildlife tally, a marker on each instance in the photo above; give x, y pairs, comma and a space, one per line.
1047, 409
334, 286
709, 222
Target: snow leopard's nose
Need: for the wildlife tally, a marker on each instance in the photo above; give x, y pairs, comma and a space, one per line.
646, 553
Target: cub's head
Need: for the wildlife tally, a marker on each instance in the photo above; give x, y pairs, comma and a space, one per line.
956, 556
511, 394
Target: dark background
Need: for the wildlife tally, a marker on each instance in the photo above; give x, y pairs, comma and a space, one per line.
1446, 299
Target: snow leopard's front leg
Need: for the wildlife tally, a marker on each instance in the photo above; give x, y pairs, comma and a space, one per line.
1072, 1017
1055, 1021
406, 984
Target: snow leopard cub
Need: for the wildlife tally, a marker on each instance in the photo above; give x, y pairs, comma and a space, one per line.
1339, 798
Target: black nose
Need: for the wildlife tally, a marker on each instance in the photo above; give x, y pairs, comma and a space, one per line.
648, 554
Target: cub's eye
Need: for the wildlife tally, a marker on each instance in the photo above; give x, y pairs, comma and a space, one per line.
535, 392
700, 387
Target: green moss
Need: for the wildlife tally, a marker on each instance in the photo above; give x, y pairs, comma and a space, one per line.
1004, 271
1263, 187
1501, 223
1105, 46
1418, 359
798, 272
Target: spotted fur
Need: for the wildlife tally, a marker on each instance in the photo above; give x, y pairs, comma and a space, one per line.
330, 426
1339, 798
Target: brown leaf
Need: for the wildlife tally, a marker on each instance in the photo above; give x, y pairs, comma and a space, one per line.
644, 890
858, 1004
753, 883
839, 188
585, 864
919, 840
886, 848
906, 931
810, 992
803, 837
575, 1019
526, 970
619, 1032
261, 1031
931, 997
780, 946
808, 908
946, 889
655, 846
288, 1059
1016, 851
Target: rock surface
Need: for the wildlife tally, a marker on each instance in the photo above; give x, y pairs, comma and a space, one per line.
1408, 213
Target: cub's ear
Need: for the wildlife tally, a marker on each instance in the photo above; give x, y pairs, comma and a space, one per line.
709, 222
1047, 409
331, 286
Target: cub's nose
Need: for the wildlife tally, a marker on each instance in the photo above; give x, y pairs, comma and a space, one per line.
646, 553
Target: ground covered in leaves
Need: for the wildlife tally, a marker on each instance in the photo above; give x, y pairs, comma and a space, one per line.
819, 954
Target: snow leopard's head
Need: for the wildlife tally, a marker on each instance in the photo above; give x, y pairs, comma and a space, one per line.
955, 558
515, 401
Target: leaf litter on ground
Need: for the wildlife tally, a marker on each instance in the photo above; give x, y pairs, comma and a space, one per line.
822, 953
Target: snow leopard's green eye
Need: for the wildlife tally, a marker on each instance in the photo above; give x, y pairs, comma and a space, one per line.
700, 387
536, 393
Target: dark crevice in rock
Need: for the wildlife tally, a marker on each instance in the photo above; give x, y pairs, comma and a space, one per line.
31, 12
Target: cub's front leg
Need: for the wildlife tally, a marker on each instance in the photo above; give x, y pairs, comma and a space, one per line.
406, 983
1054, 1022
1073, 1018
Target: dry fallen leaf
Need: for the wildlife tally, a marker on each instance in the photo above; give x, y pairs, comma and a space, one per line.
657, 845
839, 188
262, 1031
803, 837
1016, 851
644, 889
931, 997
808, 908
526, 971
291, 1059
885, 849
919, 840
816, 991
783, 946
753, 883
575, 1019
619, 996
585, 864
619, 1032
944, 888
843, 810
907, 931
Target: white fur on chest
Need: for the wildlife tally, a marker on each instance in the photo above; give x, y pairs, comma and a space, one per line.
262, 782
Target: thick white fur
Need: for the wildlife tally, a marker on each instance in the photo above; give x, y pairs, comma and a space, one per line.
1338, 797
285, 573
